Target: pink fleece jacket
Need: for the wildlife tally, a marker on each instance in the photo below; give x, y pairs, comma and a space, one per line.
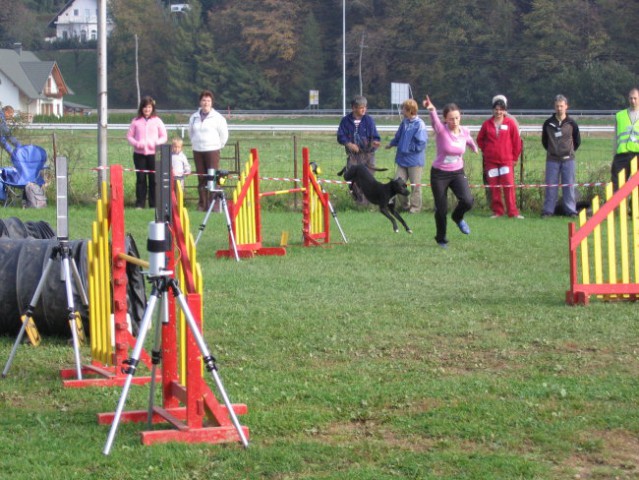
145, 134
450, 147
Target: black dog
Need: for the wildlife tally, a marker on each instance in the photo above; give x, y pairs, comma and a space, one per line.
380, 194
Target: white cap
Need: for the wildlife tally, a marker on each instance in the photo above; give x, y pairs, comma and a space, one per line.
500, 97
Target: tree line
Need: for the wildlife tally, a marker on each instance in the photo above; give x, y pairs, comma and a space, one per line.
268, 54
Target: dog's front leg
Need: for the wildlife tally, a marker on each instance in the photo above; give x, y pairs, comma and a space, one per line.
396, 214
384, 211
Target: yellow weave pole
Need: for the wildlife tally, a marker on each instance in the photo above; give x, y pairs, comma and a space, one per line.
598, 260
610, 224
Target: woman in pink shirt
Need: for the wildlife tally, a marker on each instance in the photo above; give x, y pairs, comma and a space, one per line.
447, 170
146, 132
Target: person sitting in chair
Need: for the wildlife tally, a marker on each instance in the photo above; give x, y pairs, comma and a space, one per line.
8, 141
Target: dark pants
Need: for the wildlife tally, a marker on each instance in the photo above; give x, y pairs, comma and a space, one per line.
619, 163
144, 181
440, 182
203, 162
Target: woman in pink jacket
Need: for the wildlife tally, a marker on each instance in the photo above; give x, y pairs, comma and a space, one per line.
146, 132
500, 143
447, 171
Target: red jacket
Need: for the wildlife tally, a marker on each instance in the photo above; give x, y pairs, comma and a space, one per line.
502, 149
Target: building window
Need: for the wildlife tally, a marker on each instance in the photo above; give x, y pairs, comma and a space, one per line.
94, 35
76, 12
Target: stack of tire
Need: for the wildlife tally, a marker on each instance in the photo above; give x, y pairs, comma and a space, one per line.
25, 249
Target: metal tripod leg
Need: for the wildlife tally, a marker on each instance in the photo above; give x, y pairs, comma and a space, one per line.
222, 198
78, 282
229, 226
28, 313
132, 362
206, 219
72, 315
207, 358
156, 353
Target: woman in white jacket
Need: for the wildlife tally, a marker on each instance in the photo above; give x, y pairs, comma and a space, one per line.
208, 132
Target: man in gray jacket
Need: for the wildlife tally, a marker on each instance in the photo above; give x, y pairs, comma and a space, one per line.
560, 137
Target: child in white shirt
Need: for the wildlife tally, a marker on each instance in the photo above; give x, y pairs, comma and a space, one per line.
179, 162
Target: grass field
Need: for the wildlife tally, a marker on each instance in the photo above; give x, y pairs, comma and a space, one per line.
384, 358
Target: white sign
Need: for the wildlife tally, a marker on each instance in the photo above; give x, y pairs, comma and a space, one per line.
313, 97
400, 92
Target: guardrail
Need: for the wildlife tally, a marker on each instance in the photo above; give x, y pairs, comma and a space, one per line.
288, 128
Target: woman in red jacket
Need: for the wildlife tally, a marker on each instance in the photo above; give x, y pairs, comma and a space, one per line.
500, 144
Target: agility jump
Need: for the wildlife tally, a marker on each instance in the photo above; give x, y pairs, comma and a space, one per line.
110, 335
604, 252
246, 215
188, 404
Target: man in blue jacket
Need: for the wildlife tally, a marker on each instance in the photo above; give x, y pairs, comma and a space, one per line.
358, 133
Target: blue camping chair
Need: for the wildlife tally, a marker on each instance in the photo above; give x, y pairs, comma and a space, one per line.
28, 163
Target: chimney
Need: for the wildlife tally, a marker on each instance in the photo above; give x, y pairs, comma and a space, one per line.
18, 48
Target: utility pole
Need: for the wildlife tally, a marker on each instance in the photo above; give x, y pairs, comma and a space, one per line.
102, 94
361, 49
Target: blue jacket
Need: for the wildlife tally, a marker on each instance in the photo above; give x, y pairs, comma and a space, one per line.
363, 137
410, 139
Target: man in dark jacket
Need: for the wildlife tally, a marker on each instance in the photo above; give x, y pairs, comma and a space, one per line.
560, 137
358, 133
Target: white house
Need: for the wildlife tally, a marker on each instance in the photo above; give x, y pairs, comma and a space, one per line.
78, 19
180, 7
31, 86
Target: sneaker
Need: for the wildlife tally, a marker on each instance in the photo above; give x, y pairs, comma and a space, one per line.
463, 227
520, 217
495, 216
442, 244
546, 215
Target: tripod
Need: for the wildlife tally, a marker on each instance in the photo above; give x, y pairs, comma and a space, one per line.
161, 284
75, 322
218, 195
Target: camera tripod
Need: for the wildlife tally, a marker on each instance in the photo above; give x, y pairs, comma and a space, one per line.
69, 266
162, 283
219, 196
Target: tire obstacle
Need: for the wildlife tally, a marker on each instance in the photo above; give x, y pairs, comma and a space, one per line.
24, 250
604, 251
188, 404
246, 215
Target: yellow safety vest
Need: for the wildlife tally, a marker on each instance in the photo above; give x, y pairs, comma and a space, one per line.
627, 133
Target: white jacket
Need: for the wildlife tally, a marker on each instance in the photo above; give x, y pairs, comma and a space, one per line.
210, 134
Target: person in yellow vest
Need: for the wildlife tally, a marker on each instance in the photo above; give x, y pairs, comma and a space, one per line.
626, 137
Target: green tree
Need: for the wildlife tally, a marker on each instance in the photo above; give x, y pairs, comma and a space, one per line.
565, 45
149, 21
182, 67
307, 67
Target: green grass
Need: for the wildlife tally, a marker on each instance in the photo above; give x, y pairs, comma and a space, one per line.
387, 357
